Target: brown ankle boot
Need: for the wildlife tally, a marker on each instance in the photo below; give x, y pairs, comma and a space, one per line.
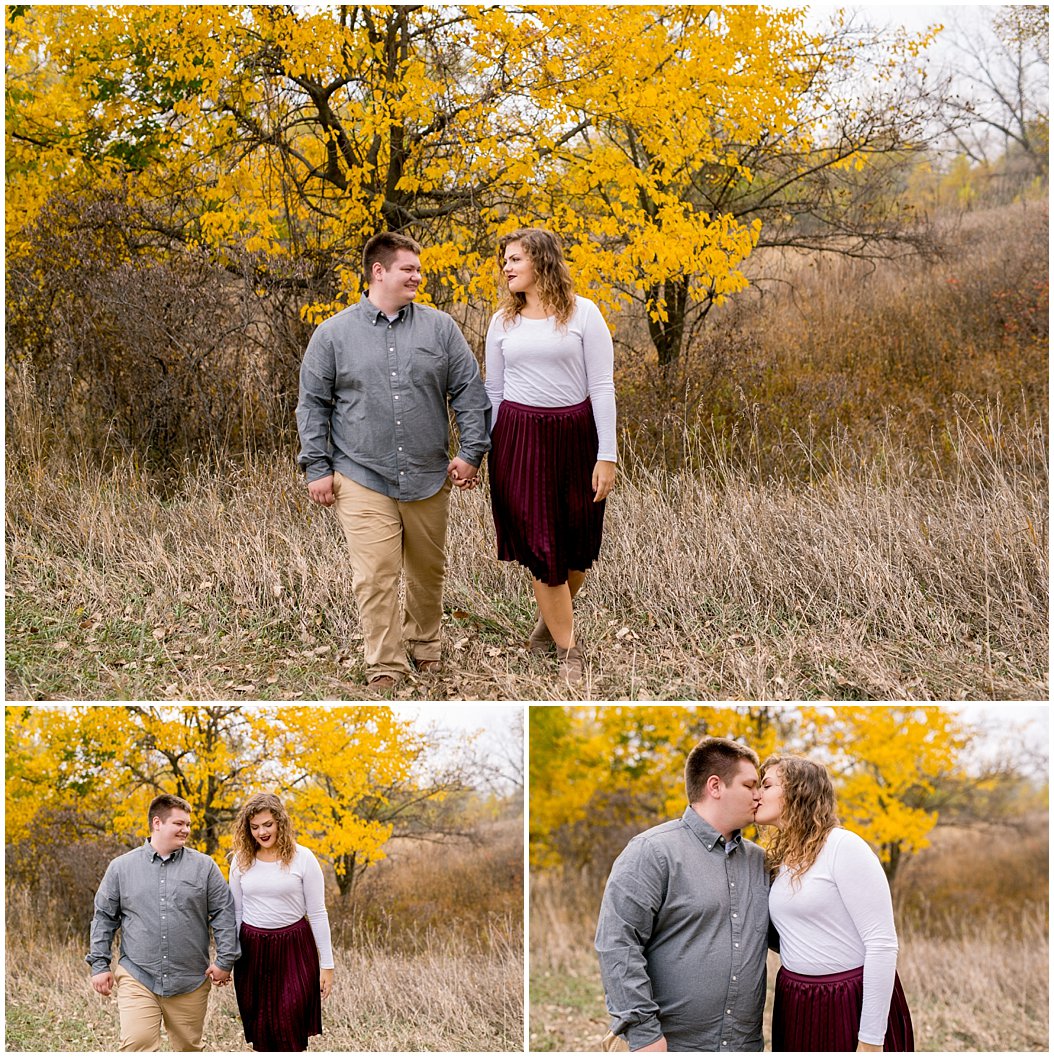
541, 641
571, 667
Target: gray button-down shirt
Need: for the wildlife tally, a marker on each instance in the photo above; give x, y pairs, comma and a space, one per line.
682, 939
164, 908
373, 400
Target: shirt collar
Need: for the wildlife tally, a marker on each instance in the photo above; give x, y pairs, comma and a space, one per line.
708, 835
375, 315
152, 853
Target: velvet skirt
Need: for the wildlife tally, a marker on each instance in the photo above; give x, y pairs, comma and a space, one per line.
277, 984
541, 488
814, 1014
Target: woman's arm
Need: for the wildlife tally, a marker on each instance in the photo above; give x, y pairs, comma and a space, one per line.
494, 362
599, 353
315, 902
864, 890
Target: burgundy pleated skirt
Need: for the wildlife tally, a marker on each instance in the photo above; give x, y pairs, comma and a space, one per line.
541, 488
815, 1014
277, 983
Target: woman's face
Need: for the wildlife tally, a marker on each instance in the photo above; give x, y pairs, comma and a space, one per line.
519, 272
264, 829
770, 809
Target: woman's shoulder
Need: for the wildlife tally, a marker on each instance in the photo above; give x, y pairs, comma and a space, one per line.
844, 844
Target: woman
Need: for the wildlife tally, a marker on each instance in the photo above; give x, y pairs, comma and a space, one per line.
286, 965
837, 988
550, 363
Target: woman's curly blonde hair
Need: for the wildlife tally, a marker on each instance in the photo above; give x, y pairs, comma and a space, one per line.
244, 845
555, 288
809, 814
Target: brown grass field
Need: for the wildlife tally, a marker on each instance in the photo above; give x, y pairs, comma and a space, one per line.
852, 504
454, 988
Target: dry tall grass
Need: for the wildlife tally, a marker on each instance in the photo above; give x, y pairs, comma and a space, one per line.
896, 576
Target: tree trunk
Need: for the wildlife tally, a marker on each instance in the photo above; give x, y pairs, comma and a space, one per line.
668, 335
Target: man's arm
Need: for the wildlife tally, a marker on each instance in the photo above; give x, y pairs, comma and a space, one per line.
314, 410
104, 925
468, 398
632, 899
224, 926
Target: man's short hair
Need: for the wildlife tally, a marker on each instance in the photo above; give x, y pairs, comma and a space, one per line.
162, 806
382, 248
720, 756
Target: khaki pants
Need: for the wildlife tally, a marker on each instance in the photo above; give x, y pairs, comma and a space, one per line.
142, 1012
386, 538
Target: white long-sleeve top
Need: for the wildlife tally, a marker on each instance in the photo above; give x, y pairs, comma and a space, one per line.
271, 896
538, 363
839, 916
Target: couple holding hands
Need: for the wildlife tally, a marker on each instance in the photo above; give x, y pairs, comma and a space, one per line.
375, 384
269, 923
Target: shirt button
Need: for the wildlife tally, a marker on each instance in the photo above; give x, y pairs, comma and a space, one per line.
728, 1011
732, 884
735, 915
737, 944
400, 449
402, 473
396, 398
393, 374
398, 422
733, 978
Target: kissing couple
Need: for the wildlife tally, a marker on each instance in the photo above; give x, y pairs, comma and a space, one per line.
691, 909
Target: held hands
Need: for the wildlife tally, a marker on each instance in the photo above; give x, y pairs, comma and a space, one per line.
462, 473
219, 977
603, 480
321, 491
103, 983
325, 981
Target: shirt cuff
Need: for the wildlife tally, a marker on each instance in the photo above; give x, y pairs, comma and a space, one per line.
644, 1034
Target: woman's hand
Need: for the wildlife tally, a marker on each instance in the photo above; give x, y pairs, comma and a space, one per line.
867, 1047
325, 980
603, 480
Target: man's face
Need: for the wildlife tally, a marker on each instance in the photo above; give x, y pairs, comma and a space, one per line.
171, 833
739, 797
399, 282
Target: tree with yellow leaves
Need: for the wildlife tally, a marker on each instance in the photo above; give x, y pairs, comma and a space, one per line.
600, 774
353, 775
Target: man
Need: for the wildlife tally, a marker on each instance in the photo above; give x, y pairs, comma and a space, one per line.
163, 897
374, 434
682, 935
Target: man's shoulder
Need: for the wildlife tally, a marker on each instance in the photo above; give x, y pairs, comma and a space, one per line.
128, 857
339, 319
662, 834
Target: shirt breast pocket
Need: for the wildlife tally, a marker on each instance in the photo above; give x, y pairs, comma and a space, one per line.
189, 896
429, 369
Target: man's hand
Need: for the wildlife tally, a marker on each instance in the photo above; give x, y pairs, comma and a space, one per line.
217, 975
103, 983
867, 1047
321, 491
462, 473
325, 981
659, 1046
603, 480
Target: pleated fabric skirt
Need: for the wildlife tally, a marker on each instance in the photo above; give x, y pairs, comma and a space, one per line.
816, 1014
541, 488
277, 983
